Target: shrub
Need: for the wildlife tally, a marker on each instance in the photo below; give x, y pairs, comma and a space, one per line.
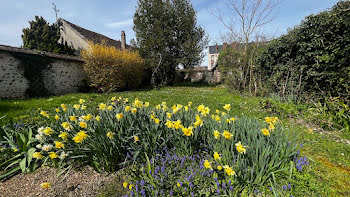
111, 69
313, 58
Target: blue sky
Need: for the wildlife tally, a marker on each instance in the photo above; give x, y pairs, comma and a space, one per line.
110, 17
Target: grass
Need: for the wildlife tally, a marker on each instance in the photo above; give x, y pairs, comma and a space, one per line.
328, 174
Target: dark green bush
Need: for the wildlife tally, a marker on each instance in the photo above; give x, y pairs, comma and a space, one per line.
313, 58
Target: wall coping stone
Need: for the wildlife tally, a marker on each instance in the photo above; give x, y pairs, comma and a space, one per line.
39, 53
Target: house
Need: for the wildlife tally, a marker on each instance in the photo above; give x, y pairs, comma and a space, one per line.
78, 37
214, 52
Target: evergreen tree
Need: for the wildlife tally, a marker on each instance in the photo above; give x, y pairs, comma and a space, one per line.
167, 35
43, 36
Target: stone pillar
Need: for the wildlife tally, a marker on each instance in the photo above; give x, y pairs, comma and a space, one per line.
123, 42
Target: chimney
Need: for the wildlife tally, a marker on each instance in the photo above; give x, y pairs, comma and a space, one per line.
123, 45
216, 46
225, 46
234, 45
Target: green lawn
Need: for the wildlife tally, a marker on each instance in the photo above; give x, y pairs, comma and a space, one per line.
327, 175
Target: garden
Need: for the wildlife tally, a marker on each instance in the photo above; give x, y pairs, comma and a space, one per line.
208, 144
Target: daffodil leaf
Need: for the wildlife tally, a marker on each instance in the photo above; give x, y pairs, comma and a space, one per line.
22, 164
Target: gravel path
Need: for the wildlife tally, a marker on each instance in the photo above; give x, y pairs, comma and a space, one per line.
86, 182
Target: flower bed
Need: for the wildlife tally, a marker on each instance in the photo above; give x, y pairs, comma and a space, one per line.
179, 150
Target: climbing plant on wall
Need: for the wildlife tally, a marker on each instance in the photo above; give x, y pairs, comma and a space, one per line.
33, 67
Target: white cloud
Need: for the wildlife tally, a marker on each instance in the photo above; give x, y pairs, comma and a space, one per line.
120, 23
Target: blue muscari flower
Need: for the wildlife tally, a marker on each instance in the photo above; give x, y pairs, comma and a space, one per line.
298, 152
284, 187
171, 193
289, 143
229, 182
185, 189
301, 145
191, 184
192, 194
143, 193
231, 188
256, 191
142, 183
131, 193
217, 184
289, 186
216, 179
218, 191
270, 188
223, 185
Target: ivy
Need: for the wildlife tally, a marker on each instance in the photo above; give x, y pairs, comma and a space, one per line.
33, 66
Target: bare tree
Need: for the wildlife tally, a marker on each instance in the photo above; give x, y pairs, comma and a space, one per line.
243, 22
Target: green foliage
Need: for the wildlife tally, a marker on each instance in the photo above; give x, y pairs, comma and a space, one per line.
18, 152
43, 36
111, 69
333, 113
167, 35
33, 67
313, 58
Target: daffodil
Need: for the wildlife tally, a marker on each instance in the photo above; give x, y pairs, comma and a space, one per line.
76, 106
207, 164
127, 108
189, 104
57, 117
310, 130
53, 155
83, 124
46, 185
81, 101
66, 126
119, 116
227, 134
156, 120
168, 115
113, 98
227, 107
146, 104
98, 118
63, 155
79, 137
177, 124
216, 134
64, 136
73, 118
217, 156
219, 167
187, 131
58, 144
169, 124
64, 107
57, 110
102, 106
45, 114
265, 132
268, 120
37, 155
47, 131
229, 170
136, 138
47, 147
110, 108
271, 127
110, 135
125, 184
83, 107
133, 110
240, 148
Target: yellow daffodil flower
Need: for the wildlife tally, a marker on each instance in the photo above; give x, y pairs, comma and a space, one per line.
219, 167
57, 117
46, 185
125, 184
58, 144
127, 108
64, 136
110, 108
187, 131
227, 134
265, 132
227, 107
73, 118
136, 138
76, 106
37, 155
240, 148
66, 126
217, 156
207, 164
110, 135
53, 155
102, 106
119, 116
271, 127
216, 134
98, 118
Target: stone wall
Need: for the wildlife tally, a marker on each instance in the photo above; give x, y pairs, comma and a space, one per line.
64, 74
199, 75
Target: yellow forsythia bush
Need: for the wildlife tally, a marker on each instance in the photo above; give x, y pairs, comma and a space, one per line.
111, 69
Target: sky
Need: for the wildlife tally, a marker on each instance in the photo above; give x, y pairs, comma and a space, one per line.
110, 17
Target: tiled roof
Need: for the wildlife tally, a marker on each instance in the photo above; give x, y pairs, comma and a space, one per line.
95, 37
215, 49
